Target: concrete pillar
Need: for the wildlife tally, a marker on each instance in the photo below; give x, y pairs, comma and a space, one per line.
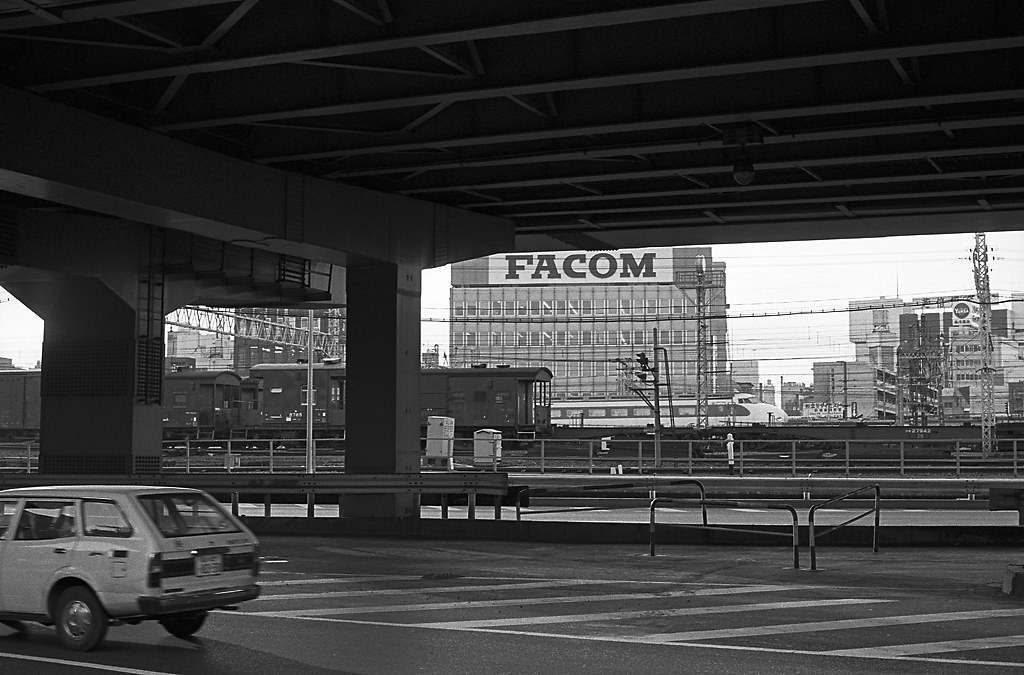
91, 420
383, 373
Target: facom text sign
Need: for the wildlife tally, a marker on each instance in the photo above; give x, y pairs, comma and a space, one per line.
579, 268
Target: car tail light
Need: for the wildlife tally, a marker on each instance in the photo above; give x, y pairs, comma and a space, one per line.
155, 571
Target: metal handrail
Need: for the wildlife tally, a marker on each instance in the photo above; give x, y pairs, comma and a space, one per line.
735, 504
874, 533
648, 484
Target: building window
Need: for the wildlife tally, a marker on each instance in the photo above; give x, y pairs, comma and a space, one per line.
522, 339
599, 307
574, 308
510, 308
547, 339
678, 306
471, 309
586, 338
652, 305
587, 307
546, 308
521, 308
485, 308
534, 307
560, 338
496, 308
471, 339
559, 307
534, 338
625, 306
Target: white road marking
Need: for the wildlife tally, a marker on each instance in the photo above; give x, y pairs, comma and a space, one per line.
839, 624
439, 589
693, 645
916, 649
476, 604
106, 668
643, 613
341, 580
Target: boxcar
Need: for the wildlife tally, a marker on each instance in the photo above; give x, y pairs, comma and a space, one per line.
213, 403
19, 404
515, 401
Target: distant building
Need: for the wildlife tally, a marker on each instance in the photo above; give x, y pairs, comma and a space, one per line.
745, 376
921, 360
209, 351
6, 363
587, 315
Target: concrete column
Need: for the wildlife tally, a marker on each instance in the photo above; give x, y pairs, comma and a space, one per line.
383, 373
91, 422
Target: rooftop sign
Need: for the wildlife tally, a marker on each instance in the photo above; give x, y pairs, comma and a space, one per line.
580, 268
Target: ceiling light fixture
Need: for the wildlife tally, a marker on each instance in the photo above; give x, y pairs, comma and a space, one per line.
743, 170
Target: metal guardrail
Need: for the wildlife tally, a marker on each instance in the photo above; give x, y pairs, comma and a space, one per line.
874, 532
310, 485
734, 504
571, 490
592, 456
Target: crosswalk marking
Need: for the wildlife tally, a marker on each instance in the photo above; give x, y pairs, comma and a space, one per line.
470, 604
916, 649
641, 613
838, 624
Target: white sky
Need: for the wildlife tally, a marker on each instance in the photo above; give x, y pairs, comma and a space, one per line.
762, 279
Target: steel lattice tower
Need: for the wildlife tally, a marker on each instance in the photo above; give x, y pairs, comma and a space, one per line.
981, 285
702, 346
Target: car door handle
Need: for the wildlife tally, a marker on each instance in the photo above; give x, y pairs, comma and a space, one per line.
92, 553
60, 549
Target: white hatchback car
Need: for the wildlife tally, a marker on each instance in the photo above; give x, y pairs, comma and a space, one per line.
82, 556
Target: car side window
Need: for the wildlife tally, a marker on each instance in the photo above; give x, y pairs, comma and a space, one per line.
7, 508
104, 519
46, 520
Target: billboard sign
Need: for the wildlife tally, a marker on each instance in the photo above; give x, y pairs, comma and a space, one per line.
636, 266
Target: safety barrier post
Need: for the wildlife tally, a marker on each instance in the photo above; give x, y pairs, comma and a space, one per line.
1015, 458
902, 458
847, 444
234, 503
542, 455
266, 505
811, 538
444, 507
956, 457
270, 444
792, 456
689, 458
471, 502
188, 455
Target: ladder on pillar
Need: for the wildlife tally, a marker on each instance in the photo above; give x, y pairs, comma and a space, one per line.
149, 336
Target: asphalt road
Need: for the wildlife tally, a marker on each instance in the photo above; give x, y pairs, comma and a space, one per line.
375, 606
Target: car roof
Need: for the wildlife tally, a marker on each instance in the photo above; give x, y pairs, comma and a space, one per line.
93, 490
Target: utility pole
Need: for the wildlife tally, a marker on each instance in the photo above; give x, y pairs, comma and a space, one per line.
981, 285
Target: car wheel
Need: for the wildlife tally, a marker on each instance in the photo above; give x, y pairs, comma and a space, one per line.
183, 625
80, 619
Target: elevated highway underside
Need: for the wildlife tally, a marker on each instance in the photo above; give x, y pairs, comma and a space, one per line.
373, 139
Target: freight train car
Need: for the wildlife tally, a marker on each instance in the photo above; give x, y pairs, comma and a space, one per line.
19, 405
271, 402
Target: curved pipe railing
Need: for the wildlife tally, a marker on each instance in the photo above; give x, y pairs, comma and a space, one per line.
875, 509
649, 485
735, 504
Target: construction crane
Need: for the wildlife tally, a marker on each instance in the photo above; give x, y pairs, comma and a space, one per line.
981, 286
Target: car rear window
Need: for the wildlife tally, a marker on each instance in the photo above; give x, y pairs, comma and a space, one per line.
179, 515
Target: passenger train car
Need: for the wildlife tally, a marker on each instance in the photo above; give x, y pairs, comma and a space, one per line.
741, 410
